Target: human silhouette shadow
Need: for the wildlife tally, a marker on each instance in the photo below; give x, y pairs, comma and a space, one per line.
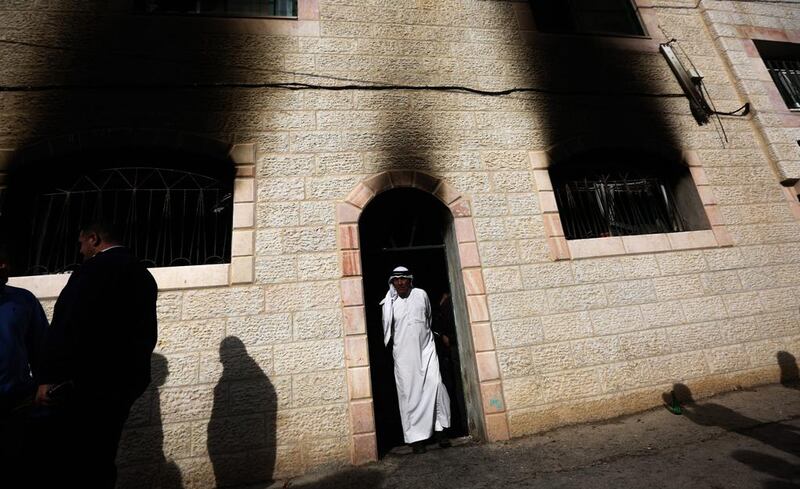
785, 472
790, 375
168, 476
143, 443
241, 431
781, 436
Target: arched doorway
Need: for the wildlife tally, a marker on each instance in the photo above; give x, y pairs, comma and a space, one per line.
410, 227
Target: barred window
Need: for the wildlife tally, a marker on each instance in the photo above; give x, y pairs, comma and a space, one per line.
587, 17
602, 193
783, 63
170, 215
232, 8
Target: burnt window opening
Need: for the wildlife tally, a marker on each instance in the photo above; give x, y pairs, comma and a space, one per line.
603, 193
222, 8
169, 215
783, 63
612, 17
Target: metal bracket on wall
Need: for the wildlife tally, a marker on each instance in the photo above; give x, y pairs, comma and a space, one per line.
691, 82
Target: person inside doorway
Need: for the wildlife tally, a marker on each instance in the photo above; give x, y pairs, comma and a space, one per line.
423, 399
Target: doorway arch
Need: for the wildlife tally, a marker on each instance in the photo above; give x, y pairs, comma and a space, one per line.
485, 405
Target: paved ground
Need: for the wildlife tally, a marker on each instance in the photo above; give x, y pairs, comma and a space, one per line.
744, 439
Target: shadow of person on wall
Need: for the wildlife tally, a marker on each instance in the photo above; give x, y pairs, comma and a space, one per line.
241, 431
142, 443
790, 376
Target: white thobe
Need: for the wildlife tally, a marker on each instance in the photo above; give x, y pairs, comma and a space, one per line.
424, 402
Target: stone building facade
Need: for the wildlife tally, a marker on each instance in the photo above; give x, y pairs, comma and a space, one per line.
263, 362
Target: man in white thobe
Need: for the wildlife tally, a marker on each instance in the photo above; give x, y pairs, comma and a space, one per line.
424, 402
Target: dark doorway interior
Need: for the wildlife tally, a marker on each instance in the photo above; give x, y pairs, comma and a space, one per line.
407, 227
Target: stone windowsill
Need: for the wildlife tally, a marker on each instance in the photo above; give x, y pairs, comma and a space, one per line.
167, 278
642, 243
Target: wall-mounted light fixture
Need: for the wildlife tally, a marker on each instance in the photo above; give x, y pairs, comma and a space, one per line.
691, 82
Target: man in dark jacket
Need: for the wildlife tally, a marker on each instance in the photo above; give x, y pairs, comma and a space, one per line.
97, 357
22, 331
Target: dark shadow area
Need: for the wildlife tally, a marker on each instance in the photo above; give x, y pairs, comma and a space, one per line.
406, 227
790, 376
780, 436
173, 207
101, 84
146, 463
347, 479
614, 91
785, 472
242, 431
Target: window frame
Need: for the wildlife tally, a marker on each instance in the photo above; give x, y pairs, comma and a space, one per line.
140, 7
240, 270
635, 12
563, 249
770, 51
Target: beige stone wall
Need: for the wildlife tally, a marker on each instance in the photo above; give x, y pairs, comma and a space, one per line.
575, 340
734, 26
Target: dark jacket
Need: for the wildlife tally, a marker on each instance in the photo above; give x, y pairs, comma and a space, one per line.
104, 327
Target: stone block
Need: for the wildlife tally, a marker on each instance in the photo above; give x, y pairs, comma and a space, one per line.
362, 418
515, 362
563, 327
356, 351
365, 448
317, 324
518, 332
728, 359
473, 282
354, 320
348, 237
468, 254
308, 356
502, 279
243, 215
704, 309
488, 368
492, 397
618, 320
318, 266
190, 335
262, 329
241, 270
347, 213
244, 190
522, 304
478, 308
552, 357
547, 275
588, 248
630, 292
316, 388
482, 337
352, 292
228, 302
575, 298
359, 383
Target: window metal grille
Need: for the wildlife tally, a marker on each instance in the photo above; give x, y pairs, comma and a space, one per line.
233, 8
786, 75
617, 205
167, 217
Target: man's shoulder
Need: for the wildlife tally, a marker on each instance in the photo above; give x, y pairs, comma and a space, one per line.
20, 294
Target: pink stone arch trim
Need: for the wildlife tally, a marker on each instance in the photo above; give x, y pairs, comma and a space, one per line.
364, 444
